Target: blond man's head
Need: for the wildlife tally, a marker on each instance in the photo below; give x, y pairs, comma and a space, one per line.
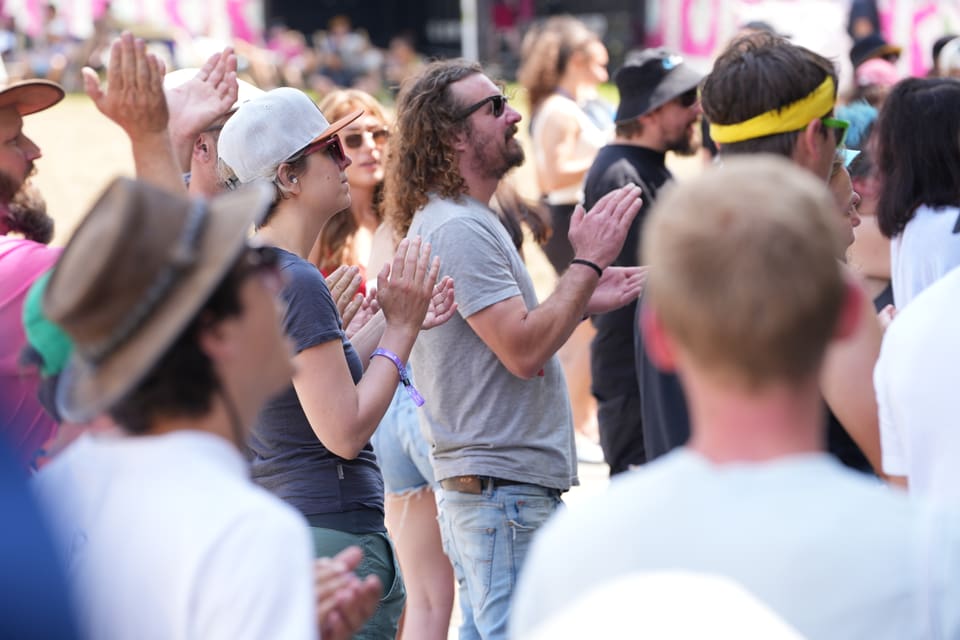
744, 276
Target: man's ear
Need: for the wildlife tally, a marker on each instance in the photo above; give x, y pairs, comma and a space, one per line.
657, 342
214, 340
807, 151
461, 141
202, 150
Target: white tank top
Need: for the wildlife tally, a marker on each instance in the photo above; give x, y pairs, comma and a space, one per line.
589, 142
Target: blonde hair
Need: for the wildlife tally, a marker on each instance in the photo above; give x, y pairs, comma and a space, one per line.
744, 274
342, 102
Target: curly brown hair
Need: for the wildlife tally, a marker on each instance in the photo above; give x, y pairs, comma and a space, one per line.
422, 159
546, 53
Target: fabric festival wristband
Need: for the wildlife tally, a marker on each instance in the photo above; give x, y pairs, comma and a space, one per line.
404, 377
587, 263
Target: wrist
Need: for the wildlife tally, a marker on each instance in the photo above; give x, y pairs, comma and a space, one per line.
402, 371
588, 264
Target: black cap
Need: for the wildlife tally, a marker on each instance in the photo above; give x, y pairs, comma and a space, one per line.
871, 46
651, 78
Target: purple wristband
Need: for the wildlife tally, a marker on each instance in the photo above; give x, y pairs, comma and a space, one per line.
404, 378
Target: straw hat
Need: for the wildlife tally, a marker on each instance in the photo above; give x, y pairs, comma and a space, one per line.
135, 273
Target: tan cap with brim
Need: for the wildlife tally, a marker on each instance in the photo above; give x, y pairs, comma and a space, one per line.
31, 96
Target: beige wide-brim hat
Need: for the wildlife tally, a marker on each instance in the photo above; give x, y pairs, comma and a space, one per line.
137, 270
31, 96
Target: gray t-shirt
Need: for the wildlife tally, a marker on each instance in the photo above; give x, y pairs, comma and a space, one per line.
481, 418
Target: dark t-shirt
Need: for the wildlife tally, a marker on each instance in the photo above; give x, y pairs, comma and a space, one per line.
287, 457
611, 353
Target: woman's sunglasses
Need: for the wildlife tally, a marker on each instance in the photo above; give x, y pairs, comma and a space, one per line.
331, 145
355, 140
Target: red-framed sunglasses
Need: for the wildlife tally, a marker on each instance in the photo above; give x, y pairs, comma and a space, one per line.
331, 145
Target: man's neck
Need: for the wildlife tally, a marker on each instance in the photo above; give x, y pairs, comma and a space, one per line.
217, 421
479, 187
647, 140
733, 424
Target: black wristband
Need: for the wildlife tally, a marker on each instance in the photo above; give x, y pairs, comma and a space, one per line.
587, 263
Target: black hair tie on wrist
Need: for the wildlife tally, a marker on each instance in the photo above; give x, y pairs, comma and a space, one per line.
587, 263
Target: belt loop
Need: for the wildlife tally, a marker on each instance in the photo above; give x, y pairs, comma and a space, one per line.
487, 483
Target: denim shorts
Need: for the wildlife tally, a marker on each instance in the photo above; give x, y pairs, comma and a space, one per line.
403, 452
380, 559
487, 537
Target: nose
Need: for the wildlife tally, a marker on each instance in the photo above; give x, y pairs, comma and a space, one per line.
30, 149
854, 214
346, 162
513, 116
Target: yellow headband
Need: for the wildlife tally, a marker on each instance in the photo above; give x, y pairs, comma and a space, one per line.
789, 118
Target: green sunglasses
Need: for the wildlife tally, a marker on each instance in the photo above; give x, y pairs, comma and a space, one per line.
840, 126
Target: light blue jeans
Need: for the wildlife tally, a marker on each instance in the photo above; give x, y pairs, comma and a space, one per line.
487, 537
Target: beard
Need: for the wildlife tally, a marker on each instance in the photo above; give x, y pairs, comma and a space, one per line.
687, 143
26, 212
495, 159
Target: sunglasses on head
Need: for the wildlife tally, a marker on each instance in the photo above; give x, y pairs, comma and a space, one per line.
498, 101
379, 137
331, 145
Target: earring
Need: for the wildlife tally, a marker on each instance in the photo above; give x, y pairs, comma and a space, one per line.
294, 180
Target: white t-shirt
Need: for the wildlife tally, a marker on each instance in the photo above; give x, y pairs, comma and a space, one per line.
167, 537
925, 251
833, 553
916, 382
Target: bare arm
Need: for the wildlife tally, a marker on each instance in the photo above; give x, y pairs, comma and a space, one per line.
343, 415
524, 339
562, 166
847, 382
134, 100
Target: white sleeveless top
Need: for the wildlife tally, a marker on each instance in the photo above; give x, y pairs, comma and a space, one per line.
590, 141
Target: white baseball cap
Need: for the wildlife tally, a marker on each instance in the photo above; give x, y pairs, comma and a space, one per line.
245, 90
270, 129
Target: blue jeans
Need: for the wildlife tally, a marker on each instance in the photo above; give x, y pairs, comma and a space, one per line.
403, 453
487, 537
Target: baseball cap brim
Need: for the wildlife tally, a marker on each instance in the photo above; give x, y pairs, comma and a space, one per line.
337, 126
31, 96
680, 80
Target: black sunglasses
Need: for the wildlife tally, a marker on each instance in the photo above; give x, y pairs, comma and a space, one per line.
687, 99
354, 140
498, 101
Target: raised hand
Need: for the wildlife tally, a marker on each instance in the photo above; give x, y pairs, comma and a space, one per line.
368, 308
344, 283
442, 304
598, 235
406, 288
618, 286
133, 96
344, 602
201, 101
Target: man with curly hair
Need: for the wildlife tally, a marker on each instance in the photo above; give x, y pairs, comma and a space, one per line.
496, 408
